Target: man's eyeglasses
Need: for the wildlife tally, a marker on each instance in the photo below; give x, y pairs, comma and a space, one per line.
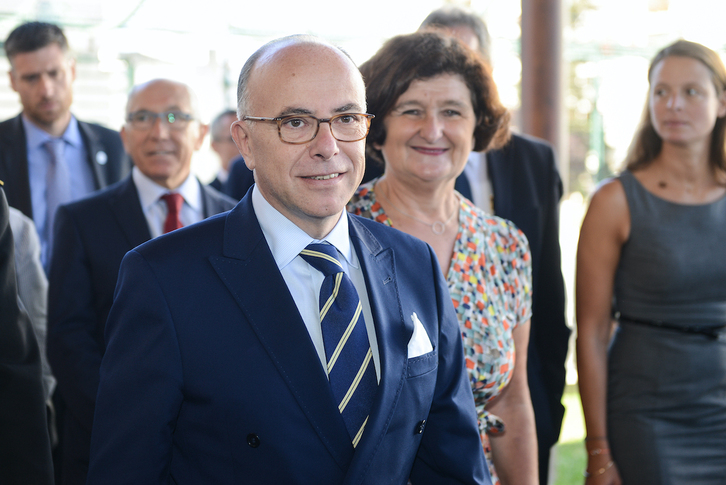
299, 129
144, 120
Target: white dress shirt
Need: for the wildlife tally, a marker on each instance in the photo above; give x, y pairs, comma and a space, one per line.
479, 182
286, 240
155, 209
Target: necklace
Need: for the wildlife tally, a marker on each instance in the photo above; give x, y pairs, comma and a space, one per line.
437, 227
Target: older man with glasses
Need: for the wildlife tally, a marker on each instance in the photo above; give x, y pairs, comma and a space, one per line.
161, 133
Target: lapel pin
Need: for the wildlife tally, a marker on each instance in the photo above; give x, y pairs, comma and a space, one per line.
101, 158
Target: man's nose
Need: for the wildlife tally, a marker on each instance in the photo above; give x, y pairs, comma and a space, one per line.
324, 144
160, 128
47, 85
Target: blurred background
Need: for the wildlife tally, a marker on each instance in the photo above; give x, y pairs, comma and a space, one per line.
606, 48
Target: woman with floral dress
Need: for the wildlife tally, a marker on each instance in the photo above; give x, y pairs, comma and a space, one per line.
435, 101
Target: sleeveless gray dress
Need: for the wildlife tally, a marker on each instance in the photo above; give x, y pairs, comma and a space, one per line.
667, 361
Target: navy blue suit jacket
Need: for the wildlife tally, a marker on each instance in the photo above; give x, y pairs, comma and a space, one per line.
210, 375
91, 237
14, 160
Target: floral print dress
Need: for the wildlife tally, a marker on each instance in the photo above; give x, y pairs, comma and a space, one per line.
490, 282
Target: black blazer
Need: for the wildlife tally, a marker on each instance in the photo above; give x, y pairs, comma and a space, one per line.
14, 159
91, 237
24, 440
527, 190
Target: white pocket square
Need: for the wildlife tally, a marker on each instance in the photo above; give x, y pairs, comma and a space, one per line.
419, 343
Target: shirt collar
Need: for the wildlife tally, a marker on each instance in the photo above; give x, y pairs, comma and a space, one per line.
149, 191
286, 240
36, 137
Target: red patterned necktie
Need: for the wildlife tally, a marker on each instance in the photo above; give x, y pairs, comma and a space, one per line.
174, 203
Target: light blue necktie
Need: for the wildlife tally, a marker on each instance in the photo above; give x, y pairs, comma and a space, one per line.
58, 189
350, 365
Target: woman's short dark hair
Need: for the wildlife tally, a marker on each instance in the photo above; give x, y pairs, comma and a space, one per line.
424, 55
647, 144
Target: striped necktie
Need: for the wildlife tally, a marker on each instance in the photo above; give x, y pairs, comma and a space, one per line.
350, 367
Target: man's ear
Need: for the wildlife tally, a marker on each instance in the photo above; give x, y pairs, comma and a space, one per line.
240, 131
203, 130
122, 133
72, 66
12, 80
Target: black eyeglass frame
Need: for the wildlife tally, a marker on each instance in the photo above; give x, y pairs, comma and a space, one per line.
281, 119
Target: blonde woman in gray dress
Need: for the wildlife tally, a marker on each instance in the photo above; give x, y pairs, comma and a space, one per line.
653, 245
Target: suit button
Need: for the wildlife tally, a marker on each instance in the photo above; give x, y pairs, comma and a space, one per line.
420, 427
253, 440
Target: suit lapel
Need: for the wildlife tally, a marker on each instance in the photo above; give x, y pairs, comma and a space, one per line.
249, 271
393, 331
95, 155
498, 168
210, 204
127, 210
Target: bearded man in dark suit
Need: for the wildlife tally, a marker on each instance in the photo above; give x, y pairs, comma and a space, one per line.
47, 156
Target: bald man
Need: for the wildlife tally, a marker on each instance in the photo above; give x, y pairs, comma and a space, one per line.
221, 367
161, 133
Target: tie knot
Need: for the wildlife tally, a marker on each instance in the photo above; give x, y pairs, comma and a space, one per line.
55, 146
323, 257
173, 201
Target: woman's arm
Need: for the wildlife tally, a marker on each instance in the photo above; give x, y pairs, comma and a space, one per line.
515, 451
604, 230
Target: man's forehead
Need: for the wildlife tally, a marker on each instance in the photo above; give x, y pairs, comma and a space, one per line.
48, 57
288, 77
160, 95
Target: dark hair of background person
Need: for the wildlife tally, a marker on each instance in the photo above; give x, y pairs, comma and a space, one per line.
647, 144
451, 16
421, 56
31, 36
217, 130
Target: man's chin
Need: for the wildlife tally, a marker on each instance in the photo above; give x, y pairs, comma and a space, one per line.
45, 118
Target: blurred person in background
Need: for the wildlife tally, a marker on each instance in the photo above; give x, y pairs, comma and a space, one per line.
47, 156
652, 246
223, 145
24, 439
434, 101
